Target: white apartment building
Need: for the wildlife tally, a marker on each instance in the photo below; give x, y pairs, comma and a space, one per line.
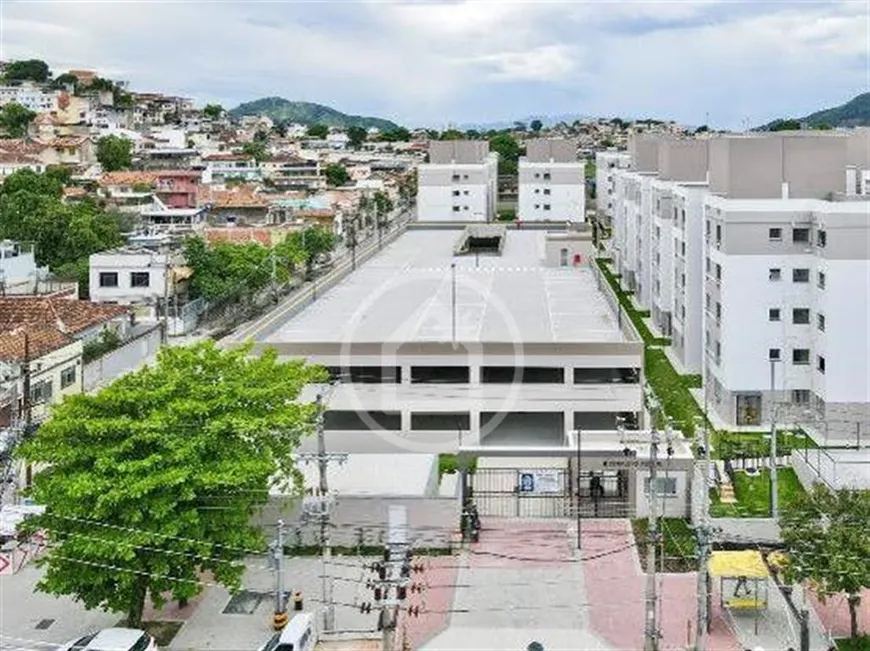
749, 251
552, 183
30, 96
606, 163
459, 183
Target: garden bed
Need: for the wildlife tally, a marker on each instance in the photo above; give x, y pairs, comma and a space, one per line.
753, 494
678, 545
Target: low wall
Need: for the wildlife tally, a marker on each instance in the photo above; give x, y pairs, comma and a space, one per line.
129, 356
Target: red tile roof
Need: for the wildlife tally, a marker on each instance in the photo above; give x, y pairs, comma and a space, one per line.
16, 346
68, 316
238, 235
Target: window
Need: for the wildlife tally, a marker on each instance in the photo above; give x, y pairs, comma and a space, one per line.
800, 316
718, 271
537, 191
465, 176
773, 314
537, 205
456, 193
67, 377
665, 486
707, 302
456, 177
822, 239
140, 279
800, 275
718, 311
773, 354
820, 364
537, 176
546, 206
546, 176
820, 320
774, 274
821, 280
800, 356
108, 279
800, 235
465, 192
465, 207
546, 190
800, 396
455, 208
718, 234
774, 234
41, 392
563, 257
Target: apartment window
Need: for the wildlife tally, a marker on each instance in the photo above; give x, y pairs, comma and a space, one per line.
718, 348
707, 264
774, 275
773, 354
455, 177
465, 207
465, 192
718, 234
820, 321
774, 234
708, 227
800, 396
800, 356
773, 314
822, 239
465, 176
800, 275
455, 208
537, 176
800, 235
537, 191
718, 311
537, 206
821, 280
707, 302
682, 280
67, 377
546, 190
546, 176
546, 206
820, 364
800, 316
108, 279
41, 392
718, 272
456, 193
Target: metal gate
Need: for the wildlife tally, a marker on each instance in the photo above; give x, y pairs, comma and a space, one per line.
521, 493
604, 494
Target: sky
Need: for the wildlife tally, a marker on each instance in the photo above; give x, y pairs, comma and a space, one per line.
436, 63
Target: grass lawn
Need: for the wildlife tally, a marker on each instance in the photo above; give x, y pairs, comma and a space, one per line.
861, 643
753, 494
449, 464
678, 543
732, 445
624, 299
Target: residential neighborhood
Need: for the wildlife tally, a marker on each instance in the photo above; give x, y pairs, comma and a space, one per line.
275, 377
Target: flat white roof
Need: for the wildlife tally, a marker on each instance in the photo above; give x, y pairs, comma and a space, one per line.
404, 294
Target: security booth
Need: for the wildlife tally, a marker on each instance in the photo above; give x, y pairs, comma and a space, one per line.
593, 474
743, 583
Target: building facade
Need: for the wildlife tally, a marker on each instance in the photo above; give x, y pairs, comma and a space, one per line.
459, 183
552, 184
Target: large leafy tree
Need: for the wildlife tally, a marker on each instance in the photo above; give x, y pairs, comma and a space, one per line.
228, 271
27, 70
399, 134
318, 131
213, 111
383, 203
307, 245
509, 152
356, 136
115, 153
336, 174
154, 480
15, 119
825, 532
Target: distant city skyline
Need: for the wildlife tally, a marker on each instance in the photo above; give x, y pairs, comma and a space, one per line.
728, 62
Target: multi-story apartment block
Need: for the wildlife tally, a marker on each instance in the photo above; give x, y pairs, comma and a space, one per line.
606, 162
753, 255
552, 184
30, 96
459, 183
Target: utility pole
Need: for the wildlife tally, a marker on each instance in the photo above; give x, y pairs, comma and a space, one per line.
320, 508
774, 497
280, 617
166, 274
396, 556
704, 534
651, 629
274, 276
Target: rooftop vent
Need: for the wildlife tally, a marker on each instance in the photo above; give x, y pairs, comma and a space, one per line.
478, 239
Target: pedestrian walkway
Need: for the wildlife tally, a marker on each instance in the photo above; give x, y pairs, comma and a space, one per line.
521, 583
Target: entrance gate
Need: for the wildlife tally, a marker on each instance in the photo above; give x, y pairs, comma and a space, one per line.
521, 493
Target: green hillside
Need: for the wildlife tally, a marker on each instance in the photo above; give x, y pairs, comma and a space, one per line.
854, 113
279, 109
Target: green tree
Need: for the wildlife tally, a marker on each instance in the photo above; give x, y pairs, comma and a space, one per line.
318, 131
408, 188
213, 111
336, 174
825, 533
822, 127
786, 125
702, 129
308, 245
256, 149
228, 272
383, 203
356, 136
399, 134
15, 119
27, 70
451, 134
115, 153
64, 80
509, 152
536, 125
154, 479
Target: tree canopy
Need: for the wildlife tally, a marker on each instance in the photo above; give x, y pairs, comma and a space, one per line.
825, 533
336, 174
399, 134
383, 203
228, 271
256, 149
154, 479
451, 134
509, 152
213, 111
307, 245
356, 136
31, 210
318, 131
26, 70
786, 125
15, 119
536, 125
115, 153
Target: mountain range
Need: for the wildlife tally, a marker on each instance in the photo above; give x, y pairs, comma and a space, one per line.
279, 109
854, 113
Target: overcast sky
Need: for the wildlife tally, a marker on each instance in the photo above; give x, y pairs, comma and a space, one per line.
436, 63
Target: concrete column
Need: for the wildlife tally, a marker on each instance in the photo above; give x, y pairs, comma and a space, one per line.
406, 420
569, 376
474, 434
406, 374
474, 374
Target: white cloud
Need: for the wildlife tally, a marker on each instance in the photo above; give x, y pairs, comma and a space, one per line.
466, 60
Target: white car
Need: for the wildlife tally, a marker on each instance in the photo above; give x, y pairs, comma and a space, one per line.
113, 639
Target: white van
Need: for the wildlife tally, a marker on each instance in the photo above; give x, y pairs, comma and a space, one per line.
300, 634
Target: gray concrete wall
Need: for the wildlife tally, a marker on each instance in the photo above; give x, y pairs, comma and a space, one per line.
545, 150
122, 360
645, 152
458, 151
684, 159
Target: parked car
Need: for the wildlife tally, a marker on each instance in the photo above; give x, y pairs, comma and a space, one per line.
300, 634
113, 639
